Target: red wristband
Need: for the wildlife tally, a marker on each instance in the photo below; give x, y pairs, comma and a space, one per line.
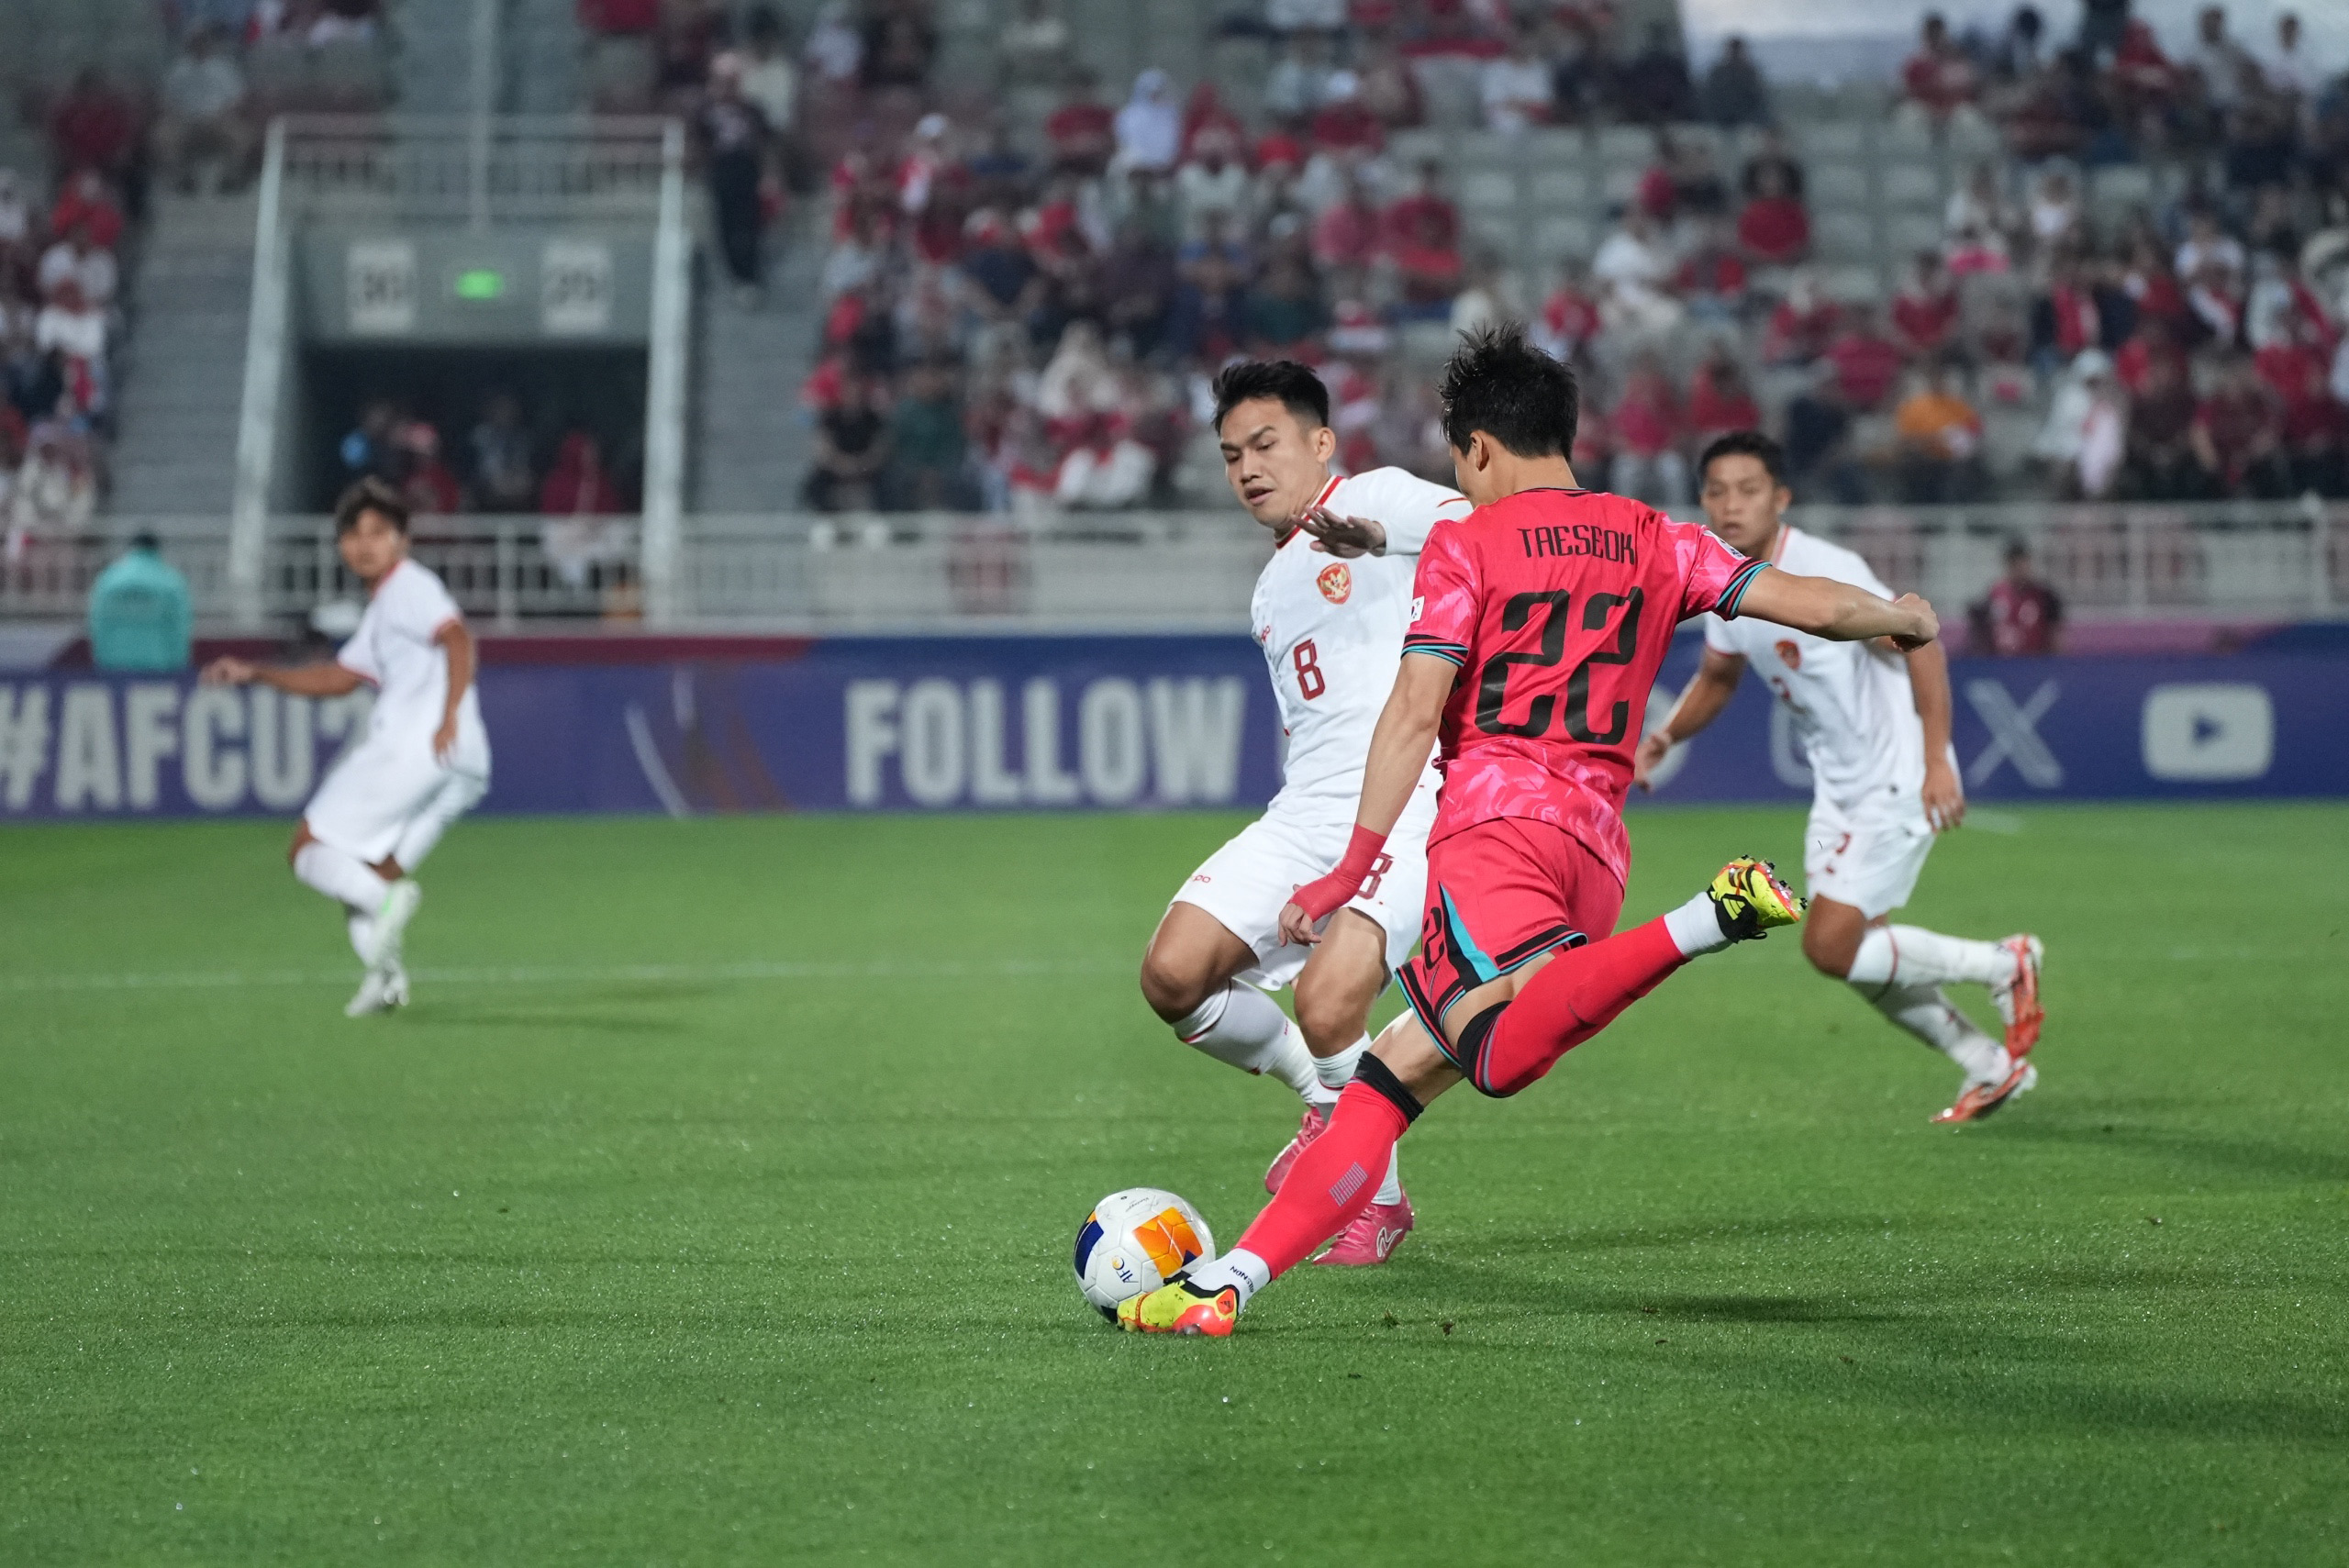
1319, 897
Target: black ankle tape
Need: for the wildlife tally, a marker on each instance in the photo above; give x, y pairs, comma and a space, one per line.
1372, 1073
1471, 1049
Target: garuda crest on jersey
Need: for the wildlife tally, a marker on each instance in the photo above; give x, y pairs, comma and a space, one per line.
1336, 583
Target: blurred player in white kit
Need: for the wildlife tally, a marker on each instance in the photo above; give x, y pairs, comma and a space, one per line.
1875, 725
1329, 612
425, 759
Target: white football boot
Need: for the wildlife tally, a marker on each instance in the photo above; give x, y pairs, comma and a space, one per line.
382, 989
391, 923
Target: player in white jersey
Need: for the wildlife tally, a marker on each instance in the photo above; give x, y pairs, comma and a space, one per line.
1329, 612
424, 761
1876, 726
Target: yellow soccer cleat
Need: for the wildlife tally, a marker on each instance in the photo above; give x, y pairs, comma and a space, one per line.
1749, 900
1181, 1309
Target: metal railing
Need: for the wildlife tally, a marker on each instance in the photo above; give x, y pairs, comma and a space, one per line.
466, 168
1154, 571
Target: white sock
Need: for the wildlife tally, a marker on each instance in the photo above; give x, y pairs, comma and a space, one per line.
1910, 955
1696, 926
1239, 1268
341, 877
1391, 1189
1242, 1025
1335, 1073
362, 934
1924, 1012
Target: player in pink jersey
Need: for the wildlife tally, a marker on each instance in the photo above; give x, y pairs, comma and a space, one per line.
1540, 623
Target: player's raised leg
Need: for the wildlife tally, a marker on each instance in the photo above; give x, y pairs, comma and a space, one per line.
1901, 970
1503, 1035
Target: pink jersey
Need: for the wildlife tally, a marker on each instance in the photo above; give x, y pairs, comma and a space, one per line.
1558, 608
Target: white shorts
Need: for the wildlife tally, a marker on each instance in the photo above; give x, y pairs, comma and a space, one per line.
1244, 883
390, 794
1868, 857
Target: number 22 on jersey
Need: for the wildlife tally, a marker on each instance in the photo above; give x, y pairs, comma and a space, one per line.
1541, 712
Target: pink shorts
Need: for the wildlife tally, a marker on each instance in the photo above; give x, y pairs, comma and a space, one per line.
1499, 896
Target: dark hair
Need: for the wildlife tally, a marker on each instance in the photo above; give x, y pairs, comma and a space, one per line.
1498, 382
1746, 443
1297, 388
2017, 546
370, 495
145, 539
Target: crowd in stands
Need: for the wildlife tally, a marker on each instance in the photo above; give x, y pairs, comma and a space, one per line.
1033, 326
64, 239
585, 481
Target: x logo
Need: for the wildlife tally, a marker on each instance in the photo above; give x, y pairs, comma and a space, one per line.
2014, 735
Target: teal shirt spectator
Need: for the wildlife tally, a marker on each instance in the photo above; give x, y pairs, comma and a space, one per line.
138, 612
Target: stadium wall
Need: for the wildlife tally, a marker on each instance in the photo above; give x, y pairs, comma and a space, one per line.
1087, 723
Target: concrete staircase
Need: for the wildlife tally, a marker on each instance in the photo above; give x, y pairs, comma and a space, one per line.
750, 438
182, 372
433, 71
541, 53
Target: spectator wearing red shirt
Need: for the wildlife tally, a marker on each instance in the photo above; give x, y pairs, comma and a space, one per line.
1348, 238
1864, 362
1206, 112
2133, 364
1649, 431
1081, 132
2065, 319
1426, 211
1774, 228
618, 19
1341, 124
1939, 80
1423, 239
2238, 435
1925, 311
2298, 373
86, 201
1711, 280
1719, 400
1801, 325
2162, 462
2020, 617
1570, 317
95, 126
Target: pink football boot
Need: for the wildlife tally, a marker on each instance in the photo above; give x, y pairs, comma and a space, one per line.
1314, 1125
1373, 1237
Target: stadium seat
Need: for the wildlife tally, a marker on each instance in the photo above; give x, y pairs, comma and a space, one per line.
1837, 185
1911, 183
1906, 233
1549, 187
1844, 234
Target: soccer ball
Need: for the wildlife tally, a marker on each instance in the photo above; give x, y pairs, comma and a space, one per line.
1135, 1241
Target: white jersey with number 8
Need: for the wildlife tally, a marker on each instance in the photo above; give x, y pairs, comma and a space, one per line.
1332, 630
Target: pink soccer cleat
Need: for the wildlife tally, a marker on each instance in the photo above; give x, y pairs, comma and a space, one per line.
1315, 1124
1371, 1238
2018, 999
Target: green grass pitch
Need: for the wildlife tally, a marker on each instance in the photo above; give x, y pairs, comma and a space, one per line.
714, 1201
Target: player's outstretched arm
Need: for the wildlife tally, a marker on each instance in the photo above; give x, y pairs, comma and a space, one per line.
1838, 611
323, 680
1700, 702
1398, 755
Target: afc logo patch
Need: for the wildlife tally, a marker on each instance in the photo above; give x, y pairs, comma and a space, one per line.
1789, 654
1337, 583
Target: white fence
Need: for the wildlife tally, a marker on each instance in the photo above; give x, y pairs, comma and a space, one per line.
1155, 571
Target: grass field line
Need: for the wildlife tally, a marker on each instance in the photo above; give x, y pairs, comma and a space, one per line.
544, 974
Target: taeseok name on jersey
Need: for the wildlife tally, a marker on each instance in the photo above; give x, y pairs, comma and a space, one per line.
1580, 538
